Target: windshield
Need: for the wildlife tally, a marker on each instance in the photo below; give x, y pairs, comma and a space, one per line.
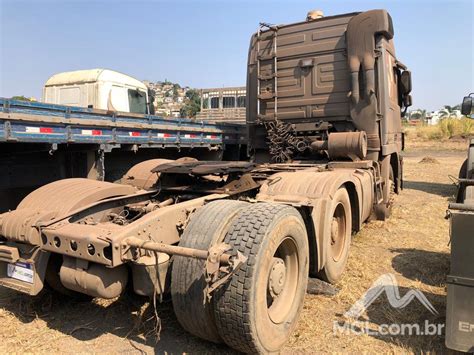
137, 101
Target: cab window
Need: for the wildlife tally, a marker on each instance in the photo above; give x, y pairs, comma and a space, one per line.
137, 101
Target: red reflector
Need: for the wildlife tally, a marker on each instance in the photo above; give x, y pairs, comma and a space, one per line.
135, 134
96, 132
46, 130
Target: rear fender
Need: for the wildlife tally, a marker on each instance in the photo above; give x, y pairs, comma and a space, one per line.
315, 190
53, 201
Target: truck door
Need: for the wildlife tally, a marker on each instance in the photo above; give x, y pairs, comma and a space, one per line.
118, 99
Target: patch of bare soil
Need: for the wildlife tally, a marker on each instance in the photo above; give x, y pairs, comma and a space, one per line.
429, 160
412, 245
444, 147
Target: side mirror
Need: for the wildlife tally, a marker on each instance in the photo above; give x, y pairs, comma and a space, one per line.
467, 108
405, 82
151, 99
407, 100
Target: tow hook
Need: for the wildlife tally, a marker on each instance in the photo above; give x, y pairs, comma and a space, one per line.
217, 274
220, 261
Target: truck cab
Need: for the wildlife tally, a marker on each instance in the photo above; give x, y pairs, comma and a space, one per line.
99, 89
318, 82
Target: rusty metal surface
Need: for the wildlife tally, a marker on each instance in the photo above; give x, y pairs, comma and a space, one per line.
9, 254
351, 145
149, 274
38, 260
347, 145
93, 279
305, 185
69, 194
174, 250
315, 188
52, 201
19, 225
88, 242
204, 167
141, 175
162, 225
303, 92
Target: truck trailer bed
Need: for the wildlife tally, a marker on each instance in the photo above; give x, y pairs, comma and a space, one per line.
34, 122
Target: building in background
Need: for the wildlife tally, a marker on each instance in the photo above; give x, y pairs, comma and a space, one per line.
169, 97
223, 104
217, 104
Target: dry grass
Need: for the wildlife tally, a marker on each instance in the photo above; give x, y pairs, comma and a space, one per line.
446, 129
412, 244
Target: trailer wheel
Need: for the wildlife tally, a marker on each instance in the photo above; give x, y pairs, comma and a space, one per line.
338, 244
207, 226
257, 310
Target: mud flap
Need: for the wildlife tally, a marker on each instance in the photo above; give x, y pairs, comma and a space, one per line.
23, 269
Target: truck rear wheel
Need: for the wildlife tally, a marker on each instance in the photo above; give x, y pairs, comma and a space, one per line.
463, 170
338, 244
257, 310
207, 227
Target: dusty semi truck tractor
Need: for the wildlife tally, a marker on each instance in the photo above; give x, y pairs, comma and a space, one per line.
234, 242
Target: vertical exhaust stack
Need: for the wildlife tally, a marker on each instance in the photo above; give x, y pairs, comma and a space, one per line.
314, 15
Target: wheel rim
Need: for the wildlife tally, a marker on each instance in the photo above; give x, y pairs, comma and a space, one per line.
282, 281
338, 232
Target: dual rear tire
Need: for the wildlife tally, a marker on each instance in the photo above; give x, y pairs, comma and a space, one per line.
258, 308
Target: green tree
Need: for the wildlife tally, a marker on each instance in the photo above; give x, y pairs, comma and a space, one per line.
176, 87
449, 108
423, 114
192, 104
21, 97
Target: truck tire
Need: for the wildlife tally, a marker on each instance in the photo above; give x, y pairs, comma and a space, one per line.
257, 310
338, 244
207, 226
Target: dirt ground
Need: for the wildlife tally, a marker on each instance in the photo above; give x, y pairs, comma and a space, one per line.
412, 245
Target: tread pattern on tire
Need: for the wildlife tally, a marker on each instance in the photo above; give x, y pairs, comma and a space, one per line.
188, 279
232, 306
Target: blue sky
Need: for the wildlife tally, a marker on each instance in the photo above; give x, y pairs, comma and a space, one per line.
204, 43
